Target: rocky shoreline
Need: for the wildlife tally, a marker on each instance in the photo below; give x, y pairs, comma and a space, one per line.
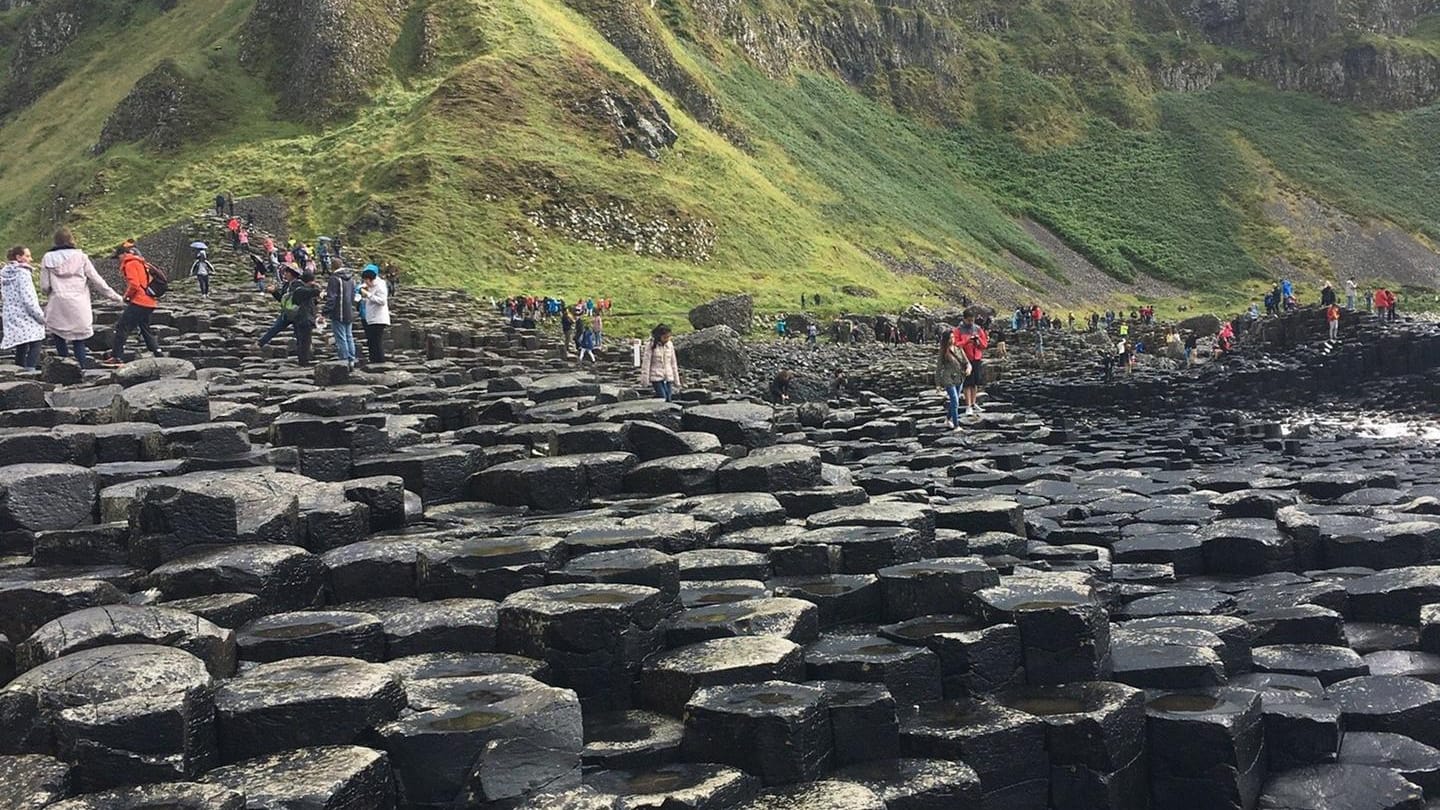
479, 577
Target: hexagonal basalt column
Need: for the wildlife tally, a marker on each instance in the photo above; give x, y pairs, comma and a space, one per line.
1095, 735
1207, 749
593, 636
1064, 629
777, 730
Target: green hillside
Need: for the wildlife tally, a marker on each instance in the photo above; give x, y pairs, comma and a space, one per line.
501, 145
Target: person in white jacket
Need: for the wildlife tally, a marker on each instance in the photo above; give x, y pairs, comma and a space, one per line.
67, 276
659, 367
375, 293
24, 321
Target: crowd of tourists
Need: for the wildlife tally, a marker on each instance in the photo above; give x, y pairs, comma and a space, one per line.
67, 320
315, 289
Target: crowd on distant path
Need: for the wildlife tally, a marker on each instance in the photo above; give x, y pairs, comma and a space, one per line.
68, 279
315, 289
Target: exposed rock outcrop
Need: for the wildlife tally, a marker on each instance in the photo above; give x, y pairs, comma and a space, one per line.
321, 56
164, 110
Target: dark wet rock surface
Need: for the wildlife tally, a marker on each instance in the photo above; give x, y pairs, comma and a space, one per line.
475, 577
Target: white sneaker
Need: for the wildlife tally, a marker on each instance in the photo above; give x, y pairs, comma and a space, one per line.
970, 411
979, 409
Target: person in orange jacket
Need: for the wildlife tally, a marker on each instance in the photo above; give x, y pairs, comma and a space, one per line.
139, 305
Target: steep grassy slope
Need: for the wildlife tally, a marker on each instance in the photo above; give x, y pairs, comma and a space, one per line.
501, 145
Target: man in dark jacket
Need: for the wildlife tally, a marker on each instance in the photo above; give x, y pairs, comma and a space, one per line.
298, 297
1327, 295
340, 309
305, 297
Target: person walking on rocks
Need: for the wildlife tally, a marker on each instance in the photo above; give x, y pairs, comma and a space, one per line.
289, 278
586, 344
973, 341
219, 205
597, 325
1327, 296
23, 319
201, 270
951, 371
1350, 289
659, 365
232, 227
140, 304
567, 325
340, 309
67, 276
375, 294
1332, 316
304, 295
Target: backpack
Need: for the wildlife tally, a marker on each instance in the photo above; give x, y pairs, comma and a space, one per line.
156, 282
288, 307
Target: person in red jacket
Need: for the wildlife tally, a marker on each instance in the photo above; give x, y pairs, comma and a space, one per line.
972, 340
139, 305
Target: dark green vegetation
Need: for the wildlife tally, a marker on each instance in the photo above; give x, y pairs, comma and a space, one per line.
507, 144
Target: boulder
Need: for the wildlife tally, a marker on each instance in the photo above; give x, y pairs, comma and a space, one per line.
716, 350
733, 311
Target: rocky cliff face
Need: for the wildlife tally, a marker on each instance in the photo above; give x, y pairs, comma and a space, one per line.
44, 34
164, 110
630, 26
927, 54
1345, 50
322, 56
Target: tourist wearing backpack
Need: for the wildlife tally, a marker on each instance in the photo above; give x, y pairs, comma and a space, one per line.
142, 285
340, 309
587, 344
66, 277
289, 279
23, 319
375, 295
304, 298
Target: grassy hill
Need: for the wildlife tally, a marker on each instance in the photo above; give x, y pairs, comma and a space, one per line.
501, 145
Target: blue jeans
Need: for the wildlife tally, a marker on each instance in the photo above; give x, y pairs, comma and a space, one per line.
344, 340
275, 328
1349, 302
63, 347
952, 403
663, 389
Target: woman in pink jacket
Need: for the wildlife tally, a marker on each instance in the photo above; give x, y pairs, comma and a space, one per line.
66, 276
658, 366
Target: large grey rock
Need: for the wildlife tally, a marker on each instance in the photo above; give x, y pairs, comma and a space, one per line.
32, 781
127, 624
37, 497
167, 403
123, 714
170, 515
150, 369
339, 777
303, 702
716, 350
734, 311
174, 796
